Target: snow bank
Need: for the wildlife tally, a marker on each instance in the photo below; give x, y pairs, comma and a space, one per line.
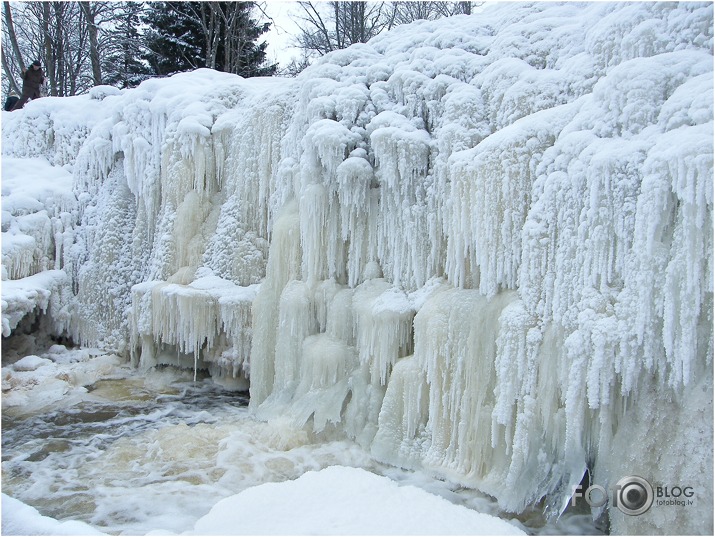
344, 501
21, 519
481, 243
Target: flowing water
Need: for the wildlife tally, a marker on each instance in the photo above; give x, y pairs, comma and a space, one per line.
134, 456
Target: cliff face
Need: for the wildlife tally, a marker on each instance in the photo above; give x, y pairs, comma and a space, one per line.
481, 246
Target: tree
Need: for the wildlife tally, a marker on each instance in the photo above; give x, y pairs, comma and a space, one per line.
328, 26
90, 11
219, 35
9, 27
80, 44
122, 47
56, 33
406, 12
174, 39
296, 65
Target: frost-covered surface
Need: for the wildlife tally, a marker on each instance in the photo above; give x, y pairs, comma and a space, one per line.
344, 501
39, 211
34, 383
484, 245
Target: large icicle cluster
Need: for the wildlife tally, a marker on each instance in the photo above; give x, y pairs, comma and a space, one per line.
172, 237
484, 245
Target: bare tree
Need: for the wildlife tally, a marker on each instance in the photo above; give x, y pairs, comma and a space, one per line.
296, 65
12, 85
329, 26
464, 8
59, 34
10, 25
406, 12
90, 11
73, 40
12, 38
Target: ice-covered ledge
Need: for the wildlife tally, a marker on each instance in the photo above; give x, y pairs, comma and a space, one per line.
199, 322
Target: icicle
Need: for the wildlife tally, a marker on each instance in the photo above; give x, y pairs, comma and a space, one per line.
284, 262
402, 436
383, 318
325, 370
491, 193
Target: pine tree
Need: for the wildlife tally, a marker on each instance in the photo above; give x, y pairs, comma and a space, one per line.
220, 35
173, 38
122, 65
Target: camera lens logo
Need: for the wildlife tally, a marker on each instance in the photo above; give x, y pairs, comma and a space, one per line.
633, 495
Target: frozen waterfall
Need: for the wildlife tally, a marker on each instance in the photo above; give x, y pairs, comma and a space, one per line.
480, 246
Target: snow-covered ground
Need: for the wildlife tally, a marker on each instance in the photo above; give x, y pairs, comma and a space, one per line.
480, 248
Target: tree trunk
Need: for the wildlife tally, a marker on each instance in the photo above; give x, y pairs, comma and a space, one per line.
58, 50
8, 74
93, 42
13, 38
49, 53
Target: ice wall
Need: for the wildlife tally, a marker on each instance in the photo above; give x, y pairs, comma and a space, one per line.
480, 246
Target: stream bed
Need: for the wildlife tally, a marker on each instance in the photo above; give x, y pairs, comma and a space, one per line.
154, 451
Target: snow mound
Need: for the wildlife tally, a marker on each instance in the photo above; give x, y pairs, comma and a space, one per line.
30, 363
21, 519
344, 501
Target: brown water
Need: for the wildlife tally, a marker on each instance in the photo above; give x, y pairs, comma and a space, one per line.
134, 458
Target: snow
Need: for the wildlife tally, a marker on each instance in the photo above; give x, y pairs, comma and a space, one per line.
21, 519
344, 501
474, 246
30, 363
33, 383
27, 295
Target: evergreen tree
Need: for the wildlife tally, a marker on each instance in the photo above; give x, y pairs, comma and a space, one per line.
122, 65
173, 38
220, 35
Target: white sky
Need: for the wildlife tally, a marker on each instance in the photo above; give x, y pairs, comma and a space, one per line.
282, 31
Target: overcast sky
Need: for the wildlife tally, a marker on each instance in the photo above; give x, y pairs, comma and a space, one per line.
282, 32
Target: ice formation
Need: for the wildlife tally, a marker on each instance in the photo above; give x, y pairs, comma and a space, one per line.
481, 246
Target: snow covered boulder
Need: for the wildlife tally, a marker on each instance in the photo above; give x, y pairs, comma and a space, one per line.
30, 363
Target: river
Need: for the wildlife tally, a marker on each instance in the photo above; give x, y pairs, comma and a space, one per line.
153, 451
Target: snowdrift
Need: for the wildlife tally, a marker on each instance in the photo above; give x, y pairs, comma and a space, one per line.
480, 246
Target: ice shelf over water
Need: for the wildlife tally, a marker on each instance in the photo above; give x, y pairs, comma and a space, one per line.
481, 246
